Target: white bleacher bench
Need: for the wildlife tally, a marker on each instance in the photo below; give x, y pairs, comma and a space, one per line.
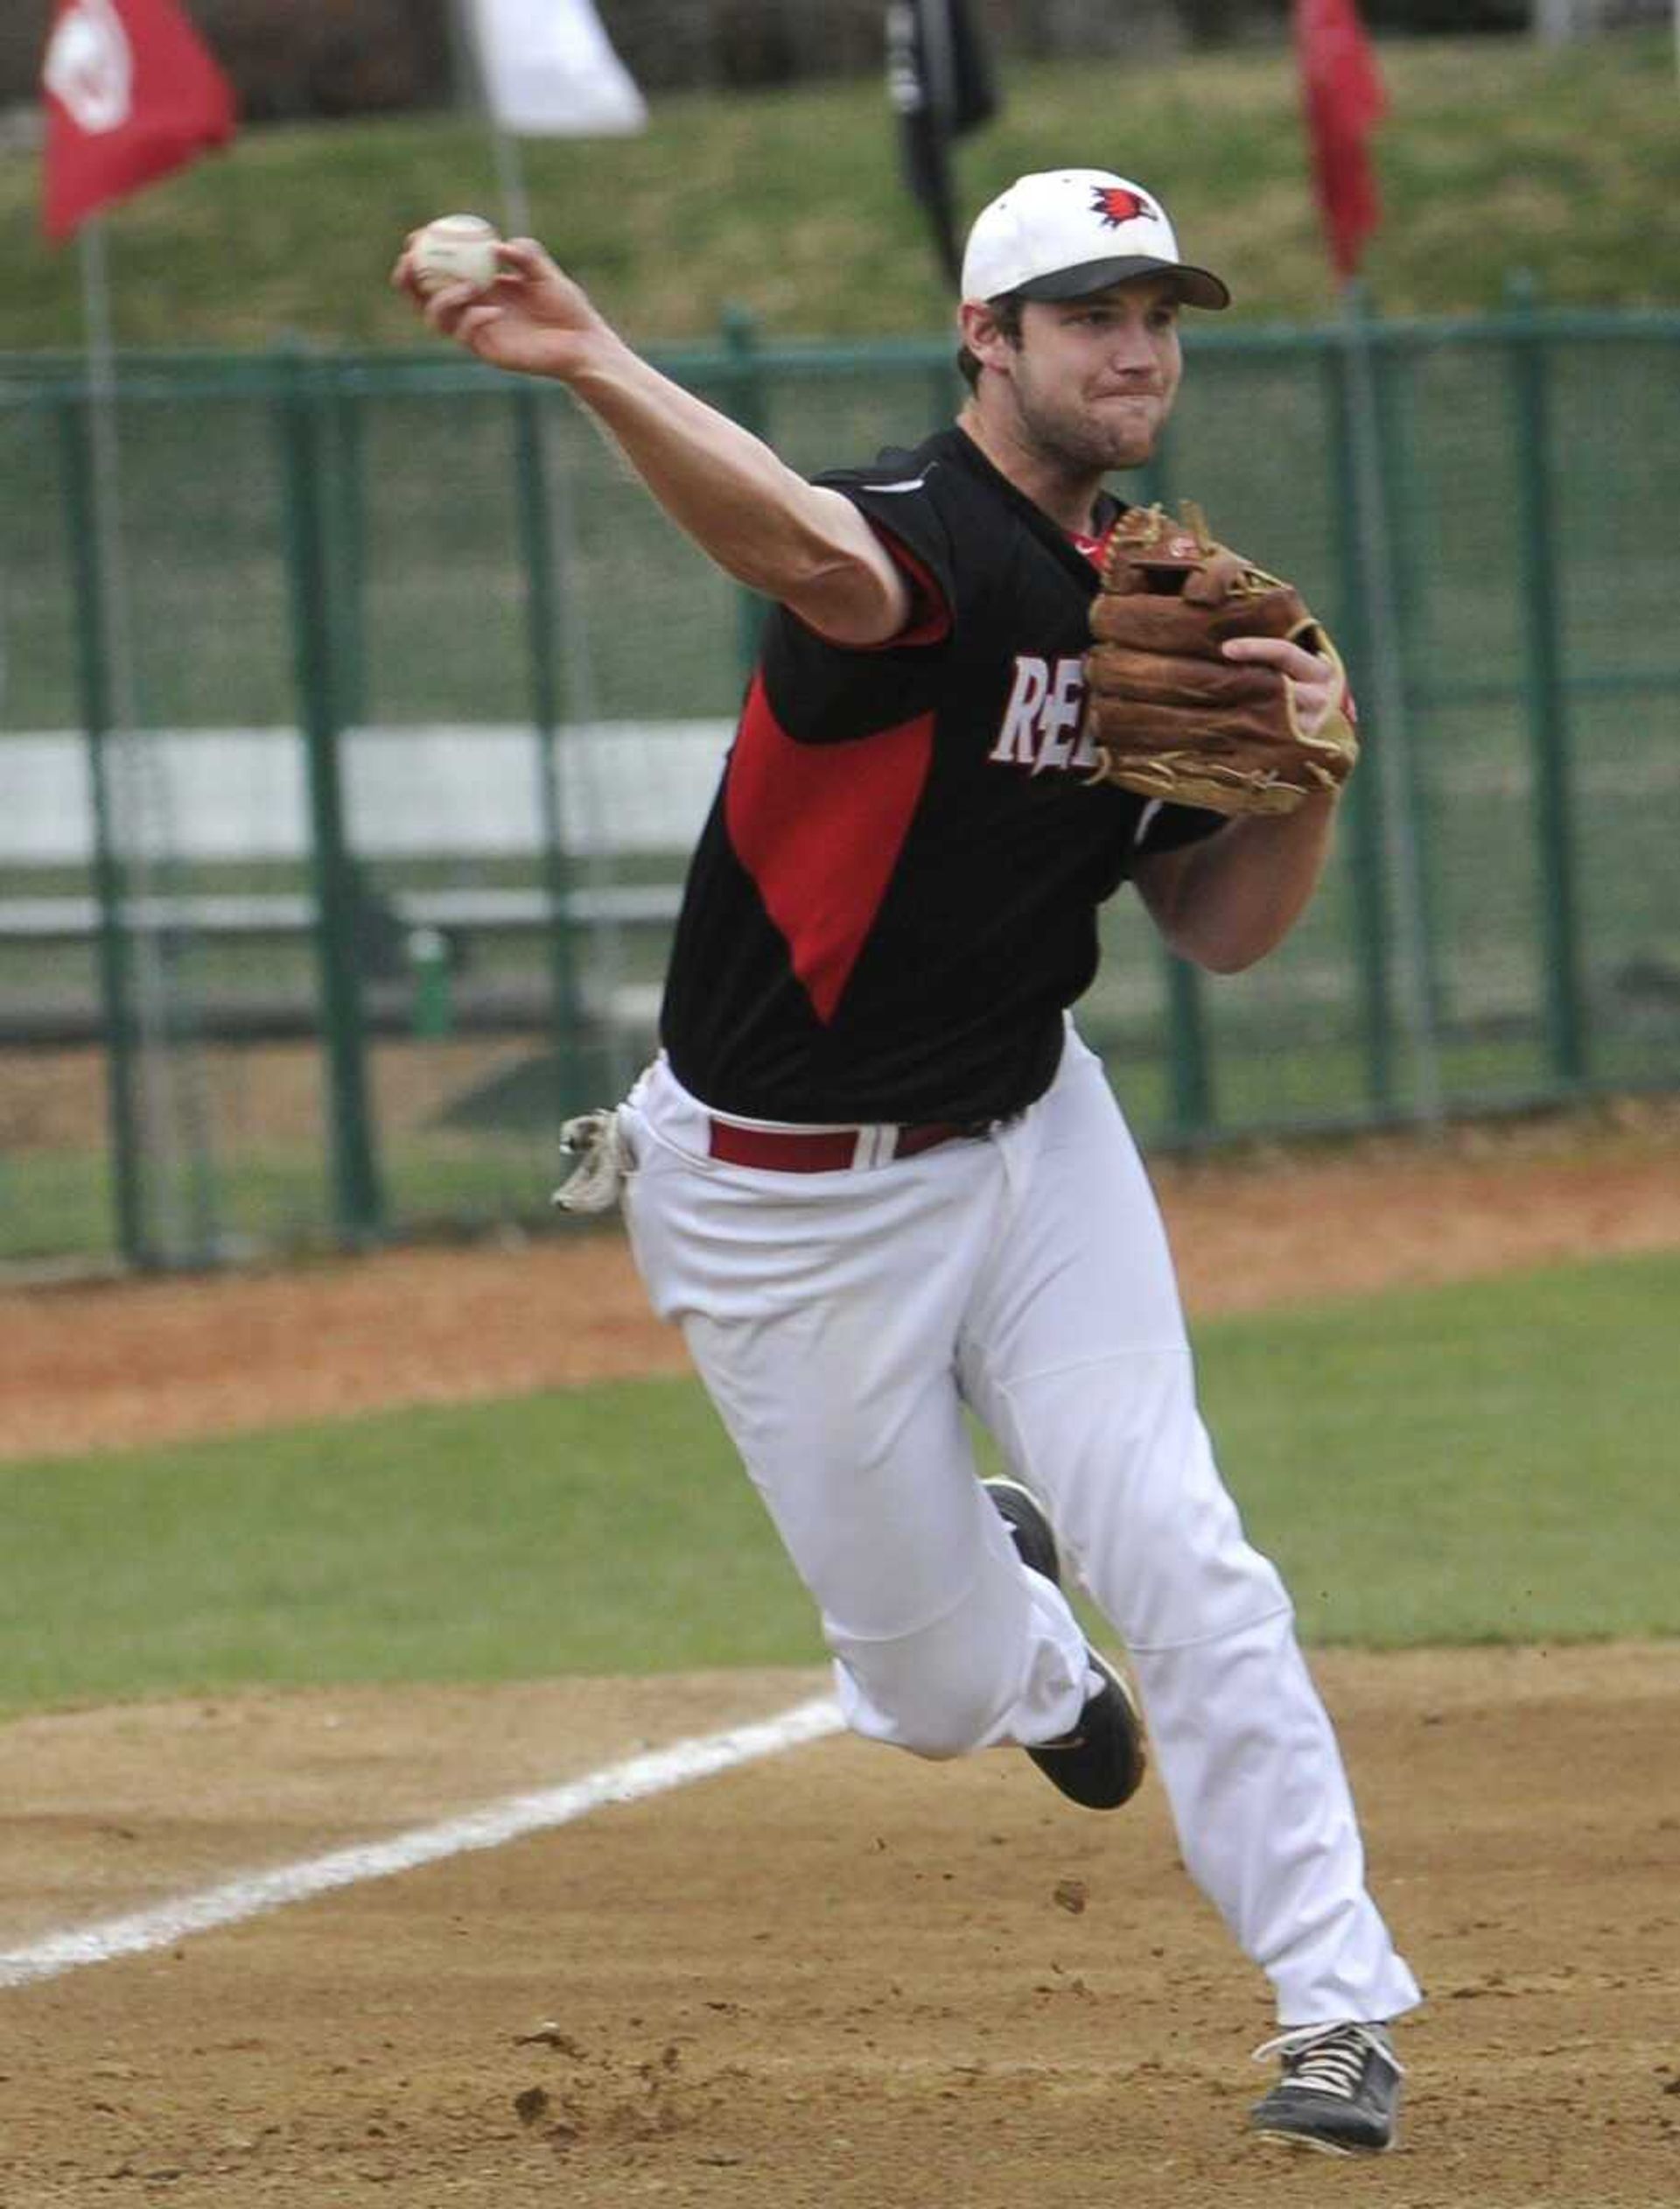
451, 790
456, 792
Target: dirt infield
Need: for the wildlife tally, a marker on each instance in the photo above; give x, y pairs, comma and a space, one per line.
837, 1976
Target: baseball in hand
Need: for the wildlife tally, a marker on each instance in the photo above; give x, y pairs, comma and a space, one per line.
456, 249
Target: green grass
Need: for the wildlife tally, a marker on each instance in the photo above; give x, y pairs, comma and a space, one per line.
600, 1531
1491, 1461
1496, 153
1481, 1463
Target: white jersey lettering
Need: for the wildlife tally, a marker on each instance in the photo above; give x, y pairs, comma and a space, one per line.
1061, 715
1017, 743
1085, 751
1041, 726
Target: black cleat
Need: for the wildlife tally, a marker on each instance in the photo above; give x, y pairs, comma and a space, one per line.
1339, 2093
1023, 1514
1099, 1764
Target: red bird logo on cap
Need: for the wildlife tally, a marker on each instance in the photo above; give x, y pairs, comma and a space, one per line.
1117, 203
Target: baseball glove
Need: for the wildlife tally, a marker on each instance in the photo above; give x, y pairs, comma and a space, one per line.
1167, 714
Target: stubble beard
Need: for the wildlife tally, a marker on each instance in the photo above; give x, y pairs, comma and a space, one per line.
1079, 444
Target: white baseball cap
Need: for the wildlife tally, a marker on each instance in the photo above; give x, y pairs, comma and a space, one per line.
1064, 233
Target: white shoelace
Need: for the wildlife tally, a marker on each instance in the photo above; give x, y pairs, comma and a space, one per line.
1329, 2059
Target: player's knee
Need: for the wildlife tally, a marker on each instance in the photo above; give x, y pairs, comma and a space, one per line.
922, 1701
952, 1728
944, 1731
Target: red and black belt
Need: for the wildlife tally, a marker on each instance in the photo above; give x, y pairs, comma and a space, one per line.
828, 1150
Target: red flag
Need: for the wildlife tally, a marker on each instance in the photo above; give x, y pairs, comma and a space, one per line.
131, 93
1344, 99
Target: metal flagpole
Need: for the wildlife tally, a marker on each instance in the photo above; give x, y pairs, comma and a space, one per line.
1401, 850
548, 504
504, 147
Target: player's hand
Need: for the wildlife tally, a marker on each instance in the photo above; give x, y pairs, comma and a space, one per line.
1315, 681
533, 317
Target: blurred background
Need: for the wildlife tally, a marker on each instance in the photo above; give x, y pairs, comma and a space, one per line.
357, 711
294, 59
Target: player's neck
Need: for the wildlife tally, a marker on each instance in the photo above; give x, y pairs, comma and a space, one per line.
1067, 495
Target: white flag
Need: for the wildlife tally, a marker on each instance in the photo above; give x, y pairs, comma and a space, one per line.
549, 70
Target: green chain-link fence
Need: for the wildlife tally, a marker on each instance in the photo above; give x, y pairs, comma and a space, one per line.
346, 780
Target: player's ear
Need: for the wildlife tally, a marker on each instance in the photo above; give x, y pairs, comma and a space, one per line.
984, 332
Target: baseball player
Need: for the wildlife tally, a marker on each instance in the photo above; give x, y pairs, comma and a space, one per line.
874, 1172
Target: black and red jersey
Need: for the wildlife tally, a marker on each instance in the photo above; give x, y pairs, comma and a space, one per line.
895, 896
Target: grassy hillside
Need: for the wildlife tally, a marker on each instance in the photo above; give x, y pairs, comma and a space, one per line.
1496, 154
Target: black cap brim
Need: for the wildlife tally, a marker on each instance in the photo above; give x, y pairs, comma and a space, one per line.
1197, 287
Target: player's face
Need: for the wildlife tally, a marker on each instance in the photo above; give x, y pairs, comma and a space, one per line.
1094, 380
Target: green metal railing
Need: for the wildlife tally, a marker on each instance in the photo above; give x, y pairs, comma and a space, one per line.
321, 544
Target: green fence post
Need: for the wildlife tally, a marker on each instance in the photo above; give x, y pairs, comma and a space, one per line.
358, 1203
543, 631
1191, 1105
1542, 685
432, 1016
1363, 804
348, 538
1395, 417
1372, 472
749, 407
1190, 1064
115, 967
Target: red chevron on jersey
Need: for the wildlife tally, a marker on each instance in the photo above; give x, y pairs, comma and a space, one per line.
819, 827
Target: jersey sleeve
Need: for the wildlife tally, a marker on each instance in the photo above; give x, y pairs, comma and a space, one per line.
822, 692
907, 521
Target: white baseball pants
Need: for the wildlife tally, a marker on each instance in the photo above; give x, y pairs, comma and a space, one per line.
842, 1320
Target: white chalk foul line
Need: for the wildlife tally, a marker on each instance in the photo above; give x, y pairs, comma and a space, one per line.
489, 1828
